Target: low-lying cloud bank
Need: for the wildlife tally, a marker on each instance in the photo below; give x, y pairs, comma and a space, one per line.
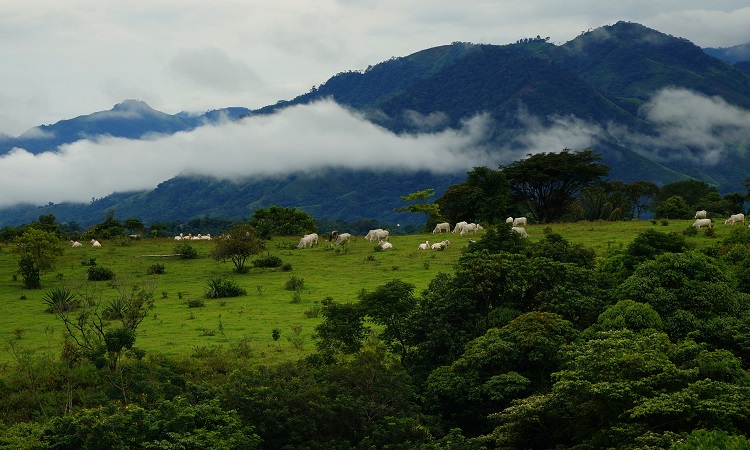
323, 135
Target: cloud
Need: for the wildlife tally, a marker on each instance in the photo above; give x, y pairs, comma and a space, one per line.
212, 68
303, 139
689, 126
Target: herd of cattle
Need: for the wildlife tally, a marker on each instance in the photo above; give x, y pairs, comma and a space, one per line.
701, 219
382, 236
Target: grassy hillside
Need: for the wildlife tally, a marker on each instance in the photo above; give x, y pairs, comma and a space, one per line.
339, 273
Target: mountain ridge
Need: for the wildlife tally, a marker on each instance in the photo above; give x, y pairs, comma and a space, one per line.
603, 77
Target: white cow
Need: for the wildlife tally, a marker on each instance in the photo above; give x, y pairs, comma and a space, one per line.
735, 218
702, 223
521, 231
459, 227
343, 238
444, 227
441, 245
75, 244
700, 214
518, 221
509, 220
377, 235
95, 243
308, 240
425, 246
385, 245
471, 227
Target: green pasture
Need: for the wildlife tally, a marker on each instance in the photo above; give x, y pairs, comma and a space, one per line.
336, 272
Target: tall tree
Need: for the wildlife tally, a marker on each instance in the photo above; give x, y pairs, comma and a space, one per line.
38, 251
237, 245
547, 183
278, 221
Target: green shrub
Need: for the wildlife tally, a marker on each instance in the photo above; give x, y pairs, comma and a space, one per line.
115, 309
98, 273
60, 300
219, 288
186, 251
155, 269
286, 267
195, 303
294, 283
269, 261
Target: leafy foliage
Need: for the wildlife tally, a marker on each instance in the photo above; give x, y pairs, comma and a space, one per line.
279, 221
218, 287
99, 273
237, 245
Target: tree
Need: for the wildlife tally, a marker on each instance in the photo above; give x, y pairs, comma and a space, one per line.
278, 221
106, 229
38, 251
547, 183
134, 225
692, 191
391, 307
673, 208
483, 197
420, 204
640, 193
241, 242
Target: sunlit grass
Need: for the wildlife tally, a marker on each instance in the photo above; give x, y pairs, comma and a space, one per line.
340, 273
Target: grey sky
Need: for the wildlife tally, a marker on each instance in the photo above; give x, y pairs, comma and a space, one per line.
64, 59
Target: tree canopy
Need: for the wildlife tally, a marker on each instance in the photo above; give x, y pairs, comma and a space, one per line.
547, 183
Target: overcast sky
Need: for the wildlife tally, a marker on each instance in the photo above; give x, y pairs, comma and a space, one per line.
71, 58
67, 58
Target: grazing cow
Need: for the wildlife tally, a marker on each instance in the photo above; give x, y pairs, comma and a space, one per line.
444, 227
702, 223
509, 220
518, 221
471, 227
333, 236
521, 231
700, 214
377, 235
308, 240
343, 238
459, 227
735, 218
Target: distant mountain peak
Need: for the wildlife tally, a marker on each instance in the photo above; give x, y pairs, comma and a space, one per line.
131, 105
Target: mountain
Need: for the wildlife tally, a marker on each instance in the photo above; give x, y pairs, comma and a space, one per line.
132, 119
605, 80
732, 55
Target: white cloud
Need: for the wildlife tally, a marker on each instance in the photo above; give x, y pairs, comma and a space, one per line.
689, 126
298, 139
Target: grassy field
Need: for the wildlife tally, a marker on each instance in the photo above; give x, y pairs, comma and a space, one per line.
340, 273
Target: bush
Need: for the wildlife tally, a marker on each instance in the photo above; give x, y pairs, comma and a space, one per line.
269, 261
195, 303
219, 288
186, 251
155, 269
286, 267
60, 300
115, 309
294, 283
98, 273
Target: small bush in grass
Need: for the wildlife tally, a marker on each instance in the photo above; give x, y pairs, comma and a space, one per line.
664, 222
186, 251
286, 267
99, 273
294, 283
195, 303
155, 269
269, 261
276, 334
690, 231
314, 311
60, 300
219, 288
